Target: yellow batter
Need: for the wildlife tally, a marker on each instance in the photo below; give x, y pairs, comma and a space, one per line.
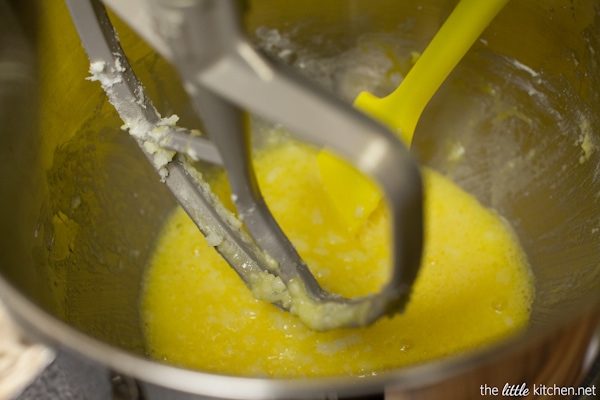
474, 286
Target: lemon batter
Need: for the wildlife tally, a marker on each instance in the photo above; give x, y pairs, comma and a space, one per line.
474, 285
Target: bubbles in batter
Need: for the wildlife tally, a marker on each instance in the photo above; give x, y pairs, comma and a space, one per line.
474, 286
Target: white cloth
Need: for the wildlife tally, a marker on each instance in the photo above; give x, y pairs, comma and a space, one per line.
20, 361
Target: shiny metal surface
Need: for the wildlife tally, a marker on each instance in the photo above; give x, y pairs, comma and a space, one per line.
225, 76
512, 126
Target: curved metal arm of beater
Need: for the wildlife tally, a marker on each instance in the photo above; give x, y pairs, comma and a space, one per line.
110, 66
224, 70
223, 73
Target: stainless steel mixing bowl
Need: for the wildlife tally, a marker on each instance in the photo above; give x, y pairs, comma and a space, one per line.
517, 124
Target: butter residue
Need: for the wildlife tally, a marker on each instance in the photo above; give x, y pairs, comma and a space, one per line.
586, 140
270, 288
325, 316
142, 121
63, 238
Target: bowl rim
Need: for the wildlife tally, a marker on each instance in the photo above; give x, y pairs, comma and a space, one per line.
42, 326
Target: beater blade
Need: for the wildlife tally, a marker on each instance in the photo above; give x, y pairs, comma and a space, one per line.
224, 75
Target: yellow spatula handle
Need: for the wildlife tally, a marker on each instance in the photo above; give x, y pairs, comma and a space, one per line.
353, 194
401, 109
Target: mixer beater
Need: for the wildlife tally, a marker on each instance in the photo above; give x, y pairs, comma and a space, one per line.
224, 75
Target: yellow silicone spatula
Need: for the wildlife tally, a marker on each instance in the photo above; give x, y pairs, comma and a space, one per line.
354, 195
